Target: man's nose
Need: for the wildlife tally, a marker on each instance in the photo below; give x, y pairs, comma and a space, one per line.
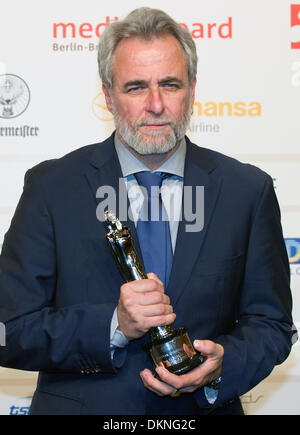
155, 102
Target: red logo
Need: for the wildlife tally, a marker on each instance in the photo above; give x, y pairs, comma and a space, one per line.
88, 30
84, 30
295, 21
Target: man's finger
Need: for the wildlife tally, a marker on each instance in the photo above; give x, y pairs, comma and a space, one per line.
152, 275
209, 348
177, 382
155, 385
156, 310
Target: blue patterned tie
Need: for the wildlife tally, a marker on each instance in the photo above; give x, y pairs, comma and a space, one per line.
154, 231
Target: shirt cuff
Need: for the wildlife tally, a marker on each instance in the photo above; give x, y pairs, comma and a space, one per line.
117, 338
211, 395
211, 391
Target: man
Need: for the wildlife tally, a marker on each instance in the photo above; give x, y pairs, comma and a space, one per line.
66, 310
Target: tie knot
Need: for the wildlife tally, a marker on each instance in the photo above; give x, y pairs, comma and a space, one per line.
148, 179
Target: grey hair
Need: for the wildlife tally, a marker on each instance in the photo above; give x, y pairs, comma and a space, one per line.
145, 23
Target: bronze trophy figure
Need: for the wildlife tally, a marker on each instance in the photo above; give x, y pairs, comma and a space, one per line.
168, 346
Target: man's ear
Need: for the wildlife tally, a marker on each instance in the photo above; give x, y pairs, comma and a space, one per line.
107, 96
194, 89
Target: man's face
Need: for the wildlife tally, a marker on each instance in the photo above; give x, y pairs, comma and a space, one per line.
151, 96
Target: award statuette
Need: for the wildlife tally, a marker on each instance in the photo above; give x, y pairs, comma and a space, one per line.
168, 346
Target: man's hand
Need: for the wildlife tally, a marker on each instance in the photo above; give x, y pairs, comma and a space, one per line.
143, 305
202, 375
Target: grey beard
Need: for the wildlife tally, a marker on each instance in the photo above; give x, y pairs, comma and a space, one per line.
158, 145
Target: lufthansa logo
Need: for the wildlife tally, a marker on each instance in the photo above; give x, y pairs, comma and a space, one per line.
14, 96
100, 109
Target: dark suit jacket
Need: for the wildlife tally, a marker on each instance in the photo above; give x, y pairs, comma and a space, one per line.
59, 285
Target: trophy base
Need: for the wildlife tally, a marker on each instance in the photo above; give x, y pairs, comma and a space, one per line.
174, 351
186, 366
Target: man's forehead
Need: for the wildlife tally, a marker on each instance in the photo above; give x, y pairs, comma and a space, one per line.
134, 56
144, 50
164, 37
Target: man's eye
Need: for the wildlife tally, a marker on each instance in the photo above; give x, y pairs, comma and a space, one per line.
170, 85
135, 89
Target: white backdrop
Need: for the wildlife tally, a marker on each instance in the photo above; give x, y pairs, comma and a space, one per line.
247, 106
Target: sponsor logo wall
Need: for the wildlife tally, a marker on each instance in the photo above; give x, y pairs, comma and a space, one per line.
247, 106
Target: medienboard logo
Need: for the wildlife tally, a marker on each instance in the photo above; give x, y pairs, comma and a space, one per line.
295, 44
295, 21
85, 31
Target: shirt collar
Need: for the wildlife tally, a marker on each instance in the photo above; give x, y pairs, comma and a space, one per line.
130, 164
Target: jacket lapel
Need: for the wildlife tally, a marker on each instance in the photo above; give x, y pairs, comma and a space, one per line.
105, 170
199, 171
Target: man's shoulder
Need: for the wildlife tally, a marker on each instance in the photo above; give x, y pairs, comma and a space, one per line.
230, 168
73, 163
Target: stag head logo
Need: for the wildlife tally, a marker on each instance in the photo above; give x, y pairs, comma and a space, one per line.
14, 96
